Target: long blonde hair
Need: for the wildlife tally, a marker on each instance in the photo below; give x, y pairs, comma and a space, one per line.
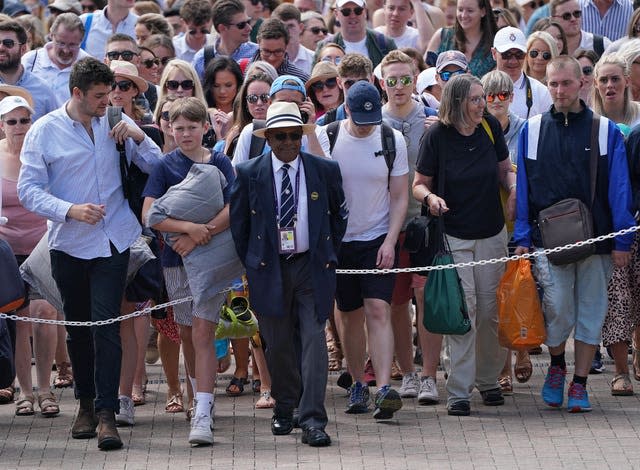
188, 71
631, 109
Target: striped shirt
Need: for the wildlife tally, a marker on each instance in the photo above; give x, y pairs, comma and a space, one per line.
246, 50
286, 67
613, 24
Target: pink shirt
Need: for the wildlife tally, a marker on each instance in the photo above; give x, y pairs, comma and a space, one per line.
24, 229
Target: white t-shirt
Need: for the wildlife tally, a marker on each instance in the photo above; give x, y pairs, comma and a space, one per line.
586, 41
359, 47
410, 37
541, 99
365, 180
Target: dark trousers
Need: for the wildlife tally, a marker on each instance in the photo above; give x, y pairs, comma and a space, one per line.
296, 378
92, 290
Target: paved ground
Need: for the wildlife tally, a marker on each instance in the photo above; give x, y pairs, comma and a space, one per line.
523, 434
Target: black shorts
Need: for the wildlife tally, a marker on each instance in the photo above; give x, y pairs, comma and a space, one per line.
352, 289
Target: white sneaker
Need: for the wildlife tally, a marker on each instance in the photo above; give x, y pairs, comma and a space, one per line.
201, 433
428, 394
410, 385
126, 417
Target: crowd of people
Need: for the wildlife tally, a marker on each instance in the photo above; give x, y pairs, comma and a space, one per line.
303, 137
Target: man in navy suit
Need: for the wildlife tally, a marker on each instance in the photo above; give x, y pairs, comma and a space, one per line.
288, 217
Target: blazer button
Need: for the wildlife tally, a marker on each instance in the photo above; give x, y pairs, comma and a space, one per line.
329, 212
328, 237
326, 266
262, 263
253, 212
259, 237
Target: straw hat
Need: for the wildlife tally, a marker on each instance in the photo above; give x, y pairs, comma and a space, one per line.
321, 71
283, 114
11, 90
121, 68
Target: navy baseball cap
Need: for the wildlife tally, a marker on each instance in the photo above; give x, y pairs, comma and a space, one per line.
365, 104
287, 82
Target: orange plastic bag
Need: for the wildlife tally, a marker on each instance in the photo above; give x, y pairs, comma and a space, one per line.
520, 320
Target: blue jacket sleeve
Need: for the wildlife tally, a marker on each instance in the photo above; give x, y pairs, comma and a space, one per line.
619, 188
522, 227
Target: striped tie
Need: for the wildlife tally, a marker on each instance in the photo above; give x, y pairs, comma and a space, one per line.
286, 199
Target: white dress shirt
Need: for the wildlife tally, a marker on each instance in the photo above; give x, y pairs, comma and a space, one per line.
101, 29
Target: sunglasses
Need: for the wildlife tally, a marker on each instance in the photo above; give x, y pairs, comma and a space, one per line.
164, 115
446, 76
175, 84
148, 63
193, 32
546, 55
587, 70
123, 85
9, 43
567, 16
318, 30
13, 122
349, 83
88, 8
518, 55
253, 99
241, 24
405, 80
347, 11
333, 60
502, 96
165, 60
255, 3
330, 83
126, 55
282, 136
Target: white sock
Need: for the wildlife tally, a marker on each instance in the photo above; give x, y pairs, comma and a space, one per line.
193, 383
205, 400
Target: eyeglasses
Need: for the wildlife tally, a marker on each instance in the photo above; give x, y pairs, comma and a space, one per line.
9, 43
318, 30
64, 45
567, 16
347, 11
518, 55
546, 55
282, 136
175, 84
330, 83
164, 115
502, 96
193, 32
446, 76
333, 59
241, 24
349, 82
405, 80
123, 85
476, 100
253, 99
276, 53
587, 70
126, 55
148, 63
13, 122
165, 60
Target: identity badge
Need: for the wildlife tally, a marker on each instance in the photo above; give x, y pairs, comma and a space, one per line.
287, 240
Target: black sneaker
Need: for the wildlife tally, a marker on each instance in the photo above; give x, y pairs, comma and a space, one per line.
492, 397
597, 367
459, 408
387, 402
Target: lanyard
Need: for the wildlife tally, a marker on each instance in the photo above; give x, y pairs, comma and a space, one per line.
295, 197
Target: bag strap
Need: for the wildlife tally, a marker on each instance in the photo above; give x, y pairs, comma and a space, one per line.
209, 54
595, 151
257, 143
87, 28
333, 128
114, 116
487, 129
527, 83
389, 149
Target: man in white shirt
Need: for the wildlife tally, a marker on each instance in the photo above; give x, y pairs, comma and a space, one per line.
299, 55
607, 18
397, 13
196, 16
569, 14
101, 24
530, 97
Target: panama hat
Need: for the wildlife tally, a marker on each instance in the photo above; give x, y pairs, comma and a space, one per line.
283, 114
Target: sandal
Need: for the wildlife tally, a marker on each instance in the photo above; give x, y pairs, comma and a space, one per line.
621, 385
255, 385
265, 401
174, 403
506, 385
137, 395
523, 367
396, 373
64, 378
24, 406
6, 395
48, 405
190, 412
235, 387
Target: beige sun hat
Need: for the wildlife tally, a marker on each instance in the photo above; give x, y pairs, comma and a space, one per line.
11, 90
321, 71
283, 114
121, 68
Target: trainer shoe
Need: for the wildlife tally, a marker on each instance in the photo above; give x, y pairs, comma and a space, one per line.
578, 398
597, 367
126, 416
492, 397
387, 402
459, 408
553, 388
428, 394
358, 399
410, 385
201, 433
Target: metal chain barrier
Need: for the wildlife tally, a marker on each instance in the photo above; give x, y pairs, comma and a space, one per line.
504, 259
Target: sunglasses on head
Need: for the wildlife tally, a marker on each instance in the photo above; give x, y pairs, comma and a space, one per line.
518, 55
567, 16
405, 80
193, 32
148, 63
347, 11
318, 30
253, 99
330, 83
349, 82
13, 122
502, 96
175, 84
241, 24
546, 55
282, 136
123, 85
164, 115
126, 55
9, 43
587, 70
446, 76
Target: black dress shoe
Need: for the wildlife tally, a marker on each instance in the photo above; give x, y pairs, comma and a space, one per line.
296, 418
281, 425
316, 437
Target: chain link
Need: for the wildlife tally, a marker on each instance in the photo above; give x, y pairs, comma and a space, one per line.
469, 264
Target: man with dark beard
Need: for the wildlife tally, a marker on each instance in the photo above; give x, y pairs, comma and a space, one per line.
13, 39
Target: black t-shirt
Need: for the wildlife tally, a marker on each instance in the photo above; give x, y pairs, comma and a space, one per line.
471, 188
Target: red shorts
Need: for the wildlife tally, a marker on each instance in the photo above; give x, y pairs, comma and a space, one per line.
405, 282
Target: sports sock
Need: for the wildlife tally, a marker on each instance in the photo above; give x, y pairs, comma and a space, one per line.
205, 400
579, 380
558, 360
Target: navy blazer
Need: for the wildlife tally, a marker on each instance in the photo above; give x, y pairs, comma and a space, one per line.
253, 225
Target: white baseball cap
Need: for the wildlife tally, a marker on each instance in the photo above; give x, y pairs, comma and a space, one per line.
9, 103
426, 79
341, 3
510, 38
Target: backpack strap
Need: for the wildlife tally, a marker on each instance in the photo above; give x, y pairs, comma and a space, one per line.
114, 116
87, 28
333, 129
529, 97
257, 143
330, 116
487, 129
209, 54
389, 149
598, 44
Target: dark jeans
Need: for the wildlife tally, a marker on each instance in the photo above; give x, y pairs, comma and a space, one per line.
92, 290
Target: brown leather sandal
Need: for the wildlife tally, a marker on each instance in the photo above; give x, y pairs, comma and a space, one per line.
48, 405
64, 378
